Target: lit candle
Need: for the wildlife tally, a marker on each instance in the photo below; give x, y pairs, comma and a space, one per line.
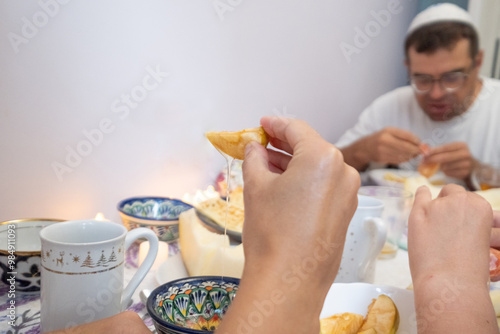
100, 216
160, 257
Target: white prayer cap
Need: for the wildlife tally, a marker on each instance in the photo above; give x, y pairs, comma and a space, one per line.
443, 12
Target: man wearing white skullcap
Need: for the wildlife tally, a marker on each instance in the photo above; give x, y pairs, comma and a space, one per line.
448, 106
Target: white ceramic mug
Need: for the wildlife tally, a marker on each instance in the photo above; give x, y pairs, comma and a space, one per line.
82, 264
365, 238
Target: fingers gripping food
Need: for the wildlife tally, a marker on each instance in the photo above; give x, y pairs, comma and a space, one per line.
427, 169
233, 143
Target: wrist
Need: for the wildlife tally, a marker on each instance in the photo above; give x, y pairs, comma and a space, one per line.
453, 304
269, 293
293, 279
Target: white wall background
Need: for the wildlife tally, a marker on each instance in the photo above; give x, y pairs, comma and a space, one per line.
67, 67
486, 13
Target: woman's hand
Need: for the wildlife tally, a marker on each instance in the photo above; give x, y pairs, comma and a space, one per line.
298, 205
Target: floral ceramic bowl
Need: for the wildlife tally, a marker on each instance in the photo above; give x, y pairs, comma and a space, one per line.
160, 214
20, 253
191, 305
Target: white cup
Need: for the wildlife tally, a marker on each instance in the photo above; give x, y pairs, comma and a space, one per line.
82, 265
365, 238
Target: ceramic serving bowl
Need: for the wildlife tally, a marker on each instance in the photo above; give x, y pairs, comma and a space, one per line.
160, 214
192, 305
20, 253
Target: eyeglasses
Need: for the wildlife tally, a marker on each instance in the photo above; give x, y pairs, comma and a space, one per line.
449, 82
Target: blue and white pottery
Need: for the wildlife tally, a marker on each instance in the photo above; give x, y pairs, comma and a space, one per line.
20, 253
192, 305
160, 214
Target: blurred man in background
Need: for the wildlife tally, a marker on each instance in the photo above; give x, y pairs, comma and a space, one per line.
448, 106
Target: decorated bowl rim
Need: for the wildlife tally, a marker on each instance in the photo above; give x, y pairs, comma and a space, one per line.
122, 203
24, 220
151, 299
150, 222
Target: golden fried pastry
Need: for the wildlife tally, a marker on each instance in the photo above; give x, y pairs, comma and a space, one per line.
233, 143
425, 168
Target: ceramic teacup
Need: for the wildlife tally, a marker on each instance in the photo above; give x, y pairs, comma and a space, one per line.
365, 238
82, 271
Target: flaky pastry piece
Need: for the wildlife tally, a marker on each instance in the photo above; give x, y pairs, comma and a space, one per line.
229, 216
233, 143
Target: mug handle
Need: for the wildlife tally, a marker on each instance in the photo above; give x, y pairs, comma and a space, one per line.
377, 230
132, 236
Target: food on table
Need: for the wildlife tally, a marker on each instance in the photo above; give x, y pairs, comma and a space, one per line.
495, 300
427, 169
492, 196
236, 197
233, 143
494, 264
341, 323
413, 183
394, 178
205, 252
382, 318
227, 214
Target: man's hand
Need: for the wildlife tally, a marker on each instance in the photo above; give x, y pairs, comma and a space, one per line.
449, 234
455, 159
495, 231
387, 146
448, 247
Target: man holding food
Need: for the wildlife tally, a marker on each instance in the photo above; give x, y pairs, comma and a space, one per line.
449, 114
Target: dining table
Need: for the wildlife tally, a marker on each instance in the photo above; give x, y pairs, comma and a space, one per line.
392, 272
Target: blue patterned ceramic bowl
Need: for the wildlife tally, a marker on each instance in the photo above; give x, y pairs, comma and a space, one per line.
160, 214
20, 253
191, 305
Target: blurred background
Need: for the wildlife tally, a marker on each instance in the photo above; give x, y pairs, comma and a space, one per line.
100, 101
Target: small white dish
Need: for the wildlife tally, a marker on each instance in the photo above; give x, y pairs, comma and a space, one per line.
355, 298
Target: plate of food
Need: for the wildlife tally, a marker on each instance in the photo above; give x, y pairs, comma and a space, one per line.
222, 216
359, 305
398, 177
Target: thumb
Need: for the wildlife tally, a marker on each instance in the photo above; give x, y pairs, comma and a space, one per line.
256, 164
418, 214
422, 198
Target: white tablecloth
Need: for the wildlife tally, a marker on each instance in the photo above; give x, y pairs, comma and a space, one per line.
394, 272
